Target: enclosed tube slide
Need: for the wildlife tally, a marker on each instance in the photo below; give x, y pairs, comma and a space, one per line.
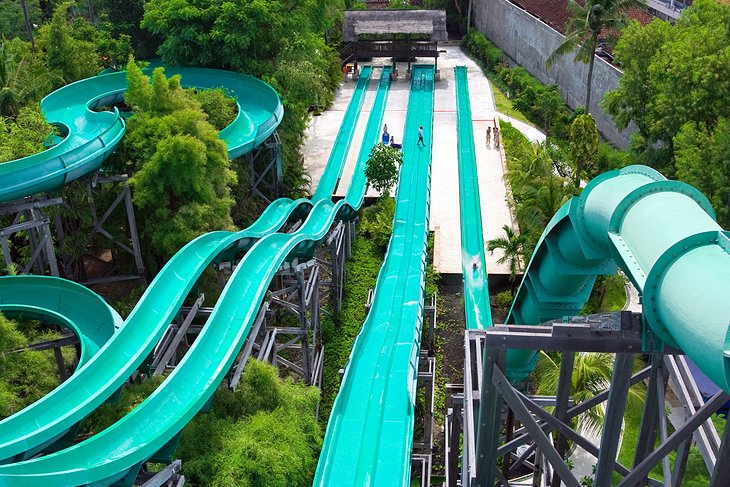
663, 235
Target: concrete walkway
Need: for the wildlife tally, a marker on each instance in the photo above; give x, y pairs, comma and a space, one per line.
444, 220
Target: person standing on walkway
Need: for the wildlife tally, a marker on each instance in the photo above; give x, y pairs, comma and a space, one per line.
420, 137
489, 136
386, 136
496, 138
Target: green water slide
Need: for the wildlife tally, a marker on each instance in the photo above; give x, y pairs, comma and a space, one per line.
370, 431
473, 264
663, 235
90, 137
113, 454
336, 162
51, 417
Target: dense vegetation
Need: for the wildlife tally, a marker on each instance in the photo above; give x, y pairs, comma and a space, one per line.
27, 376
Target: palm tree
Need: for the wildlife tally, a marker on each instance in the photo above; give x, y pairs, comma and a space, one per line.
540, 200
584, 26
592, 374
513, 245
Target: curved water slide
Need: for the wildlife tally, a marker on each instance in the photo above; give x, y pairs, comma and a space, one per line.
663, 235
370, 431
473, 263
49, 418
115, 452
90, 137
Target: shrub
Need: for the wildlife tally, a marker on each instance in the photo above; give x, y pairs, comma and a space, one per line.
377, 221
504, 299
481, 48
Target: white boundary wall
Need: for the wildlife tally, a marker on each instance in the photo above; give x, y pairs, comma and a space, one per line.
528, 41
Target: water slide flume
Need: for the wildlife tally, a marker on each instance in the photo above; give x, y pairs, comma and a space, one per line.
109, 455
663, 235
370, 431
49, 418
473, 263
90, 137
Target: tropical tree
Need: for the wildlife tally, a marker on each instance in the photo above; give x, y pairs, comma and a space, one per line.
513, 246
583, 145
587, 21
673, 75
541, 200
592, 374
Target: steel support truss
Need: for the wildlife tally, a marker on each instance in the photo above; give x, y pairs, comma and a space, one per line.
332, 257
496, 418
28, 215
266, 170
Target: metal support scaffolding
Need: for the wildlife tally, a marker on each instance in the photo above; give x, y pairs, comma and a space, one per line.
266, 170
131, 246
25, 217
298, 348
332, 257
484, 409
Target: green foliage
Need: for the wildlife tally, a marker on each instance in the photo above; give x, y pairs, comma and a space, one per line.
537, 191
480, 47
377, 221
542, 104
23, 77
12, 22
23, 136
703, 160
673, 75
290, 53
587, 21
382, 167
107, 414
25, 377
583, 145
513, 247
220, 108
182, 175
124, 18
504, 299
609, 294
264, 433
361, 272
592, 374
70, 57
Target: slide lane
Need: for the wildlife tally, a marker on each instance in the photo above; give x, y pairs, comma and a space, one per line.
370, 432
159, 418
473, 267
663, 235
338, 155
49, 418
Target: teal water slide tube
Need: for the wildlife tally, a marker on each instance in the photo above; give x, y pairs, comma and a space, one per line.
663, 235
50, 417
473, 264
90, 137
109, 456
96, 379
370, 432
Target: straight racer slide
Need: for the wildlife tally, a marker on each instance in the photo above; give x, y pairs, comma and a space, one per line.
147, 429
370, 431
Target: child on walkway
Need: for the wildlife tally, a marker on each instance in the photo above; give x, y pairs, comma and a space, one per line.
489, 136
496, 138
420, 137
